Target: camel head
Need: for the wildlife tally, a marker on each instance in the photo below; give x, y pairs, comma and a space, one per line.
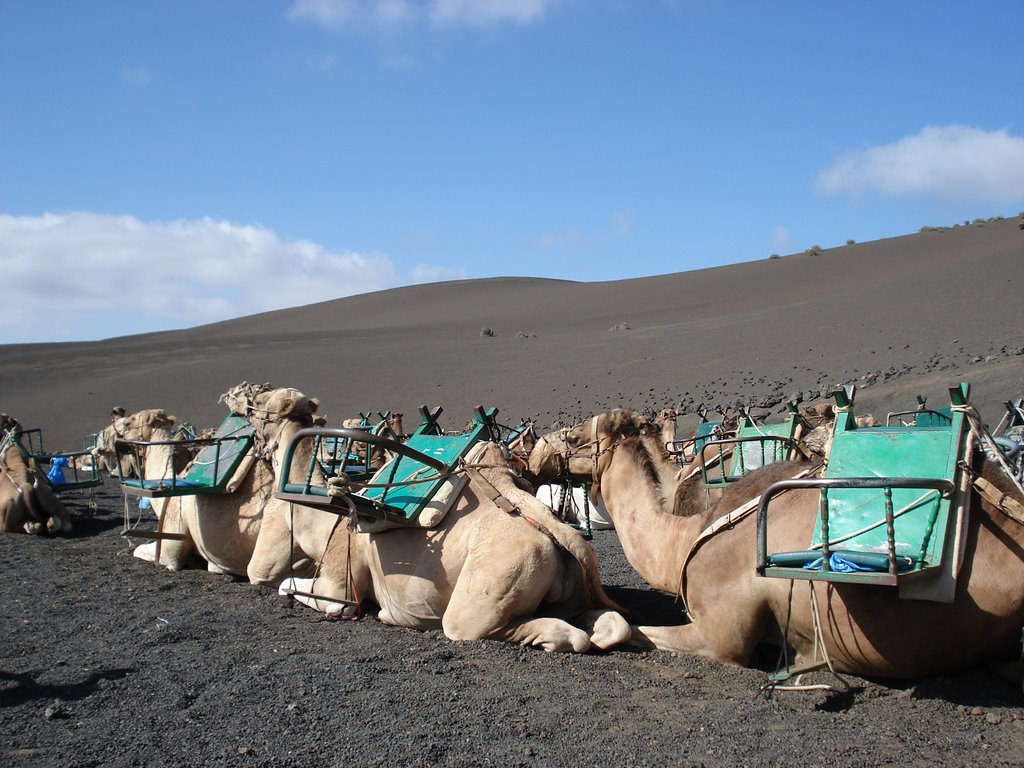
596, 438
269, 409
8, 422
524, 442
394, 421
666, 415
136, 426
143, 424
597, 433
613, 425
551, 459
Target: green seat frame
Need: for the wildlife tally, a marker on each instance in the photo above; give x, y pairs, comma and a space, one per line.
400, 490
208, 473
922, 416
80, 479
886, 500
683, 451
755, 445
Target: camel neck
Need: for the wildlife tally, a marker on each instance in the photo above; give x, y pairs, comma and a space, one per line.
158, 462
654, 542
300, 458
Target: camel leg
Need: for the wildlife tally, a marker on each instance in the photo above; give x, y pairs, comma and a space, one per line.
273, 556
59, 519
29, 511
553, 635
174, 553
497, 593
41, 518
323, 588
734, 648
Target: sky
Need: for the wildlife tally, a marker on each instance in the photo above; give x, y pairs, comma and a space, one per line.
165, 164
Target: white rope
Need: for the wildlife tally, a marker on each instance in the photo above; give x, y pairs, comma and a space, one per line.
819, 645
974, 419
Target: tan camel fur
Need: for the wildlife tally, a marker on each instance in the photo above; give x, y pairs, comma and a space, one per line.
666, 421
243, 532
481, 573
866, 630
26, 501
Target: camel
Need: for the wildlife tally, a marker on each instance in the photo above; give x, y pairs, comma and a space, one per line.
26, 501
864, 630
498, 566
666, 420
241, 532
555, 471
140, 425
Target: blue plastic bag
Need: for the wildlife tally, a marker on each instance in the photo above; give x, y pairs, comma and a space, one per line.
56, 473
837, 564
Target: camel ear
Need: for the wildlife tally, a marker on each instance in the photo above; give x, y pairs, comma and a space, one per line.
621, 421
313, 404
158, 418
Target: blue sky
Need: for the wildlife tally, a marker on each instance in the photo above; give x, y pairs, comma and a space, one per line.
166, 164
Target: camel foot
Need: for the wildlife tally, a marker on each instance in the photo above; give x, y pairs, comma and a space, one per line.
609, 630
553, 635
322, 604
146, 552
572, 640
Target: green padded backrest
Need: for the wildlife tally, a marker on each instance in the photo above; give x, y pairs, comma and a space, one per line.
215, 464
409, 500
757, 453
925, 452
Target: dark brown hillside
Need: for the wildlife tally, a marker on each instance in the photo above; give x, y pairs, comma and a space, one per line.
924, 310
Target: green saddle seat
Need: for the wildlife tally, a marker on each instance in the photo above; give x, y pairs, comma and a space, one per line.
210, 471
888, 498
755, 445
401, 491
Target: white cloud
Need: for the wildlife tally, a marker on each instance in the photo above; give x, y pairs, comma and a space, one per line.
782, 241
480, 13
81, 276
477, 13
328, 13
570, 237
623, 222
953, 162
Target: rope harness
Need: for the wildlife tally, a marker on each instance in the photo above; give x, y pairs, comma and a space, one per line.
1002, 501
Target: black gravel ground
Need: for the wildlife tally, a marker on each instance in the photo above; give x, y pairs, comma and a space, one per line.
109, 661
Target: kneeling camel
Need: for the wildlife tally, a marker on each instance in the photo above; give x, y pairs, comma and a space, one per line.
866, 630
502, 570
